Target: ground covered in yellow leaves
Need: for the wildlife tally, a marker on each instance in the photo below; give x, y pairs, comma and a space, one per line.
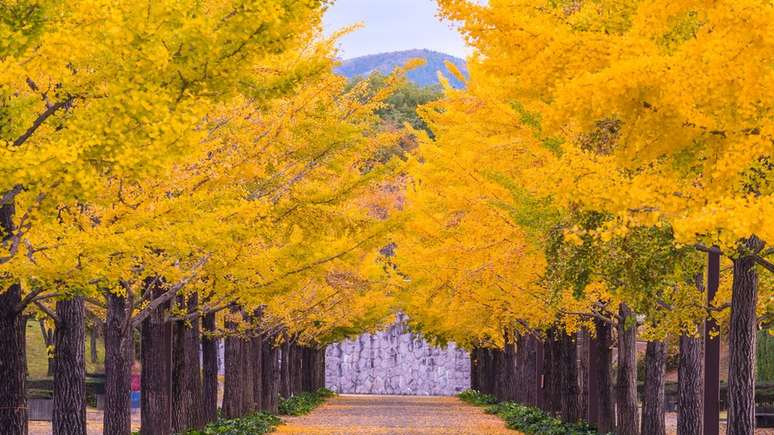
356, 414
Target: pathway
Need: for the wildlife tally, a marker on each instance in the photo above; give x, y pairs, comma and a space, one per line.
357, 414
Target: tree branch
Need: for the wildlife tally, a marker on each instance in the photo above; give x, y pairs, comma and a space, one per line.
50, 111
48, 311
767, 265
169, 294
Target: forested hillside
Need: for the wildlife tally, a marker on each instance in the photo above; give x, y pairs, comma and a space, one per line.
426, 75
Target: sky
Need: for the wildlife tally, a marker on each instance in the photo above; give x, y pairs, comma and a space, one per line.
392, 25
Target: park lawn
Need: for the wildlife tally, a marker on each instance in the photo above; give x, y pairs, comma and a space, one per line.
37, 359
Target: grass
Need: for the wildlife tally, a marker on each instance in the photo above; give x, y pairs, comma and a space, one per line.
304, 403
37, 355
527, 419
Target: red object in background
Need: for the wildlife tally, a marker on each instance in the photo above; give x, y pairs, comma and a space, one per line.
136, 382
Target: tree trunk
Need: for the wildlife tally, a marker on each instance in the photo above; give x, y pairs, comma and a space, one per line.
521, 394
298, 368
741, 343
285, 385
653, 406
70, 376
626, 384
602, 413
13, 361
257, 344
210, 375
512, 379
321, 369
553, 382
530, 371
93, 344
119, 351
248, 401
233, 381
570, 396
474, 369
690, 408
271, 375
156, 376
194, 387
583, 371
48, 341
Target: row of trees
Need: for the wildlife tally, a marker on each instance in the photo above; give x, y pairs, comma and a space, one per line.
599, 153
185, 172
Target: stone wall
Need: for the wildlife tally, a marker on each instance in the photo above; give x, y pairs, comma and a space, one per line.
396, 361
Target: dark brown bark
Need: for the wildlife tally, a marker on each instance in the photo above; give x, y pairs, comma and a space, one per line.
570, 393
285, 384
626, 383
512, 372
690, 407
741, 343
70, 376
257, 344
321, 368
187, 392
13, 363
474, 369
271, 374
210, 372
520, 373
119, 351
530, 371
601, 404
583, 371
156, 377
654, 406
553, 377
233, 381
297, 366
248, 389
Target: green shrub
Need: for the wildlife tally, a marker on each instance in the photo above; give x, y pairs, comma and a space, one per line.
258, 423
526, 419
476, 398
304, 403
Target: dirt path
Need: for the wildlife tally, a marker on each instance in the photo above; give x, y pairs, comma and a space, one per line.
355, 414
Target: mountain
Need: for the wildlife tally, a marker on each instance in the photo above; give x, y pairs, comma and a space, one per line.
384, 63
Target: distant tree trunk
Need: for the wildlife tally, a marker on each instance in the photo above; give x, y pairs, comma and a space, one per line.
570, 396
474, 369
530, 371
321, 369
271, 376
186, 380
93, 344
119, 351
298, 368
210, 372
70, 376
512, 376
13, 362
257, 352
48, 341
156, 377
626, 384
653, 406
690, 382
741, 342
600, 390
233, 380
248, 401
553, 377
583, 370
501, 371
285, 385
521, 394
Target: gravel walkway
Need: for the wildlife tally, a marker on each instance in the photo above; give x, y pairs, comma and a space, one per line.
356, 414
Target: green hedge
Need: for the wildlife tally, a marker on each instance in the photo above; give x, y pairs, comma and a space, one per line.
304, 403
258, 423
527, 419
